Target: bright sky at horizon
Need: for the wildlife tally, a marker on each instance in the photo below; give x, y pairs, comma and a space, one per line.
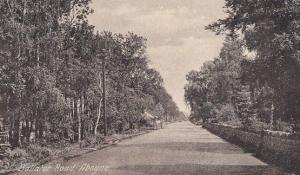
177, 41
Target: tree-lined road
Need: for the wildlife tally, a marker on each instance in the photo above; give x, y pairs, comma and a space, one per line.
180, 148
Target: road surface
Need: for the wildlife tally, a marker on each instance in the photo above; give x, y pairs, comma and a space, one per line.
179, 149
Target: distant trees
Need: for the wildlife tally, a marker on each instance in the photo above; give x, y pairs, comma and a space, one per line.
270, 30
51, 67
212, 91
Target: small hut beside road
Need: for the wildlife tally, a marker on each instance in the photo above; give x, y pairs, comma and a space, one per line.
152, 121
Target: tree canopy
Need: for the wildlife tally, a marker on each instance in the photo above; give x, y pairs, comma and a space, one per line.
52, 63
270, 30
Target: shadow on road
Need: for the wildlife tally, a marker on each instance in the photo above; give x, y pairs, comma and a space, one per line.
194, 169
223, 148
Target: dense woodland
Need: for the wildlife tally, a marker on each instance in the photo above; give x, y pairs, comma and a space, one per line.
52, 63
255, 81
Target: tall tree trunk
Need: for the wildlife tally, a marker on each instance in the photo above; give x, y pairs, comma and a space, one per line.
36, 129
41, 130
79, 122
73, 115
98, 118
27, 130
16, 133
272, 115
82, 115
30, 129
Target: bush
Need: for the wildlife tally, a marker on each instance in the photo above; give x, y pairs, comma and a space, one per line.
13, 158
18, 153
5, 163
226, 113
92, 140
284, 126
38, 152
208, 112
256, 125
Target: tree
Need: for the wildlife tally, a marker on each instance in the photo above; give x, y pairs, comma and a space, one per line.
269, 28
243, 104
212, 89
51, 64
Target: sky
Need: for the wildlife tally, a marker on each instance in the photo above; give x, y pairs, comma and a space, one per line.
176, 39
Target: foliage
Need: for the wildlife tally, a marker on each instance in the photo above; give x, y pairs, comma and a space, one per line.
214, 92
18, 153
258, 73
38, 153
92, 140
226, 113
271, 30
52, 64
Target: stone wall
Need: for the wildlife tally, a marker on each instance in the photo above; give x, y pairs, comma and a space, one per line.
275, 150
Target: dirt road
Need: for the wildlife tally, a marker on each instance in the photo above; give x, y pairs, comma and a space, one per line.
180, 149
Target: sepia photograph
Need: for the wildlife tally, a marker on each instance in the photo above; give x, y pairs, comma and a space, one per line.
149, 87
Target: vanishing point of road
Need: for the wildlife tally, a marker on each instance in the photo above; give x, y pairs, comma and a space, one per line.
179, 149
